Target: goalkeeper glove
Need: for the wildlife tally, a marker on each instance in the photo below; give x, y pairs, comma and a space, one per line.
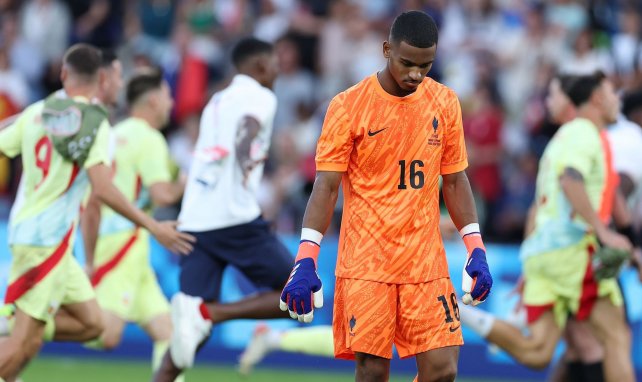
304, 288
476, 279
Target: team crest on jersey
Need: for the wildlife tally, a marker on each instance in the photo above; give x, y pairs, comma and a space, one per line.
63, 123
434, 139
352, 323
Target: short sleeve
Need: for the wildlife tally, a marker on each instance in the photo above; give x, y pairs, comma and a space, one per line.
11, 138
99, 152
580, 150
453, 158
153, 163
336, 141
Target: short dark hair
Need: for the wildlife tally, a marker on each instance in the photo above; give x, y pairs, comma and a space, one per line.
144, 81
83, 59
416, 28
580, 88
247, 48
108, 57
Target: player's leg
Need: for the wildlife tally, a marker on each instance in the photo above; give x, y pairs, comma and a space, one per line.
313, 340
80, 319
609, 324
428, 327
582, 360
22, 345
534, 350
151, 311
36, 288
200, 280
364, 324
264, 260
438, 365
371, 368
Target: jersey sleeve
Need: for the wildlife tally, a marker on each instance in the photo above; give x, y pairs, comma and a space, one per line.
99, 152
580, 150
11, 139
153, 162
453, 158
336, 141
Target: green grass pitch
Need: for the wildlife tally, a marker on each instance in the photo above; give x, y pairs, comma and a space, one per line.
48, 369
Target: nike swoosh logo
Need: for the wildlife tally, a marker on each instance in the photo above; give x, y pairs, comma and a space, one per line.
452, 330
373, 133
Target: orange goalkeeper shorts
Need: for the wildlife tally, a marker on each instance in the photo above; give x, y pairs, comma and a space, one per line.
369, 317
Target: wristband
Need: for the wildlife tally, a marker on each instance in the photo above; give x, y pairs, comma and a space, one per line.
310, 245
472, 237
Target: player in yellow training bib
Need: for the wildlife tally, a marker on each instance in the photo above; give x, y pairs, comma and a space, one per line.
120, 269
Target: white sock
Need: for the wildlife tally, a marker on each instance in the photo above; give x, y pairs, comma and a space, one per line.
274, 338
476, 319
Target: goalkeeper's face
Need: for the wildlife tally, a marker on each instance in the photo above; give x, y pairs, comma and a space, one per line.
408, 64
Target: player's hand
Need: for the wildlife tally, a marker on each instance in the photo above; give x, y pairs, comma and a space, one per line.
612, 239
476, 279
177, 242
302, 291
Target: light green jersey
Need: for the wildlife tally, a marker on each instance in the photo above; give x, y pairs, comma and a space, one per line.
141, 158
580, 145
53, 187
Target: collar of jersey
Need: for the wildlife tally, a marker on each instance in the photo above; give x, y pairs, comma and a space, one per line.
407, 99
244, 79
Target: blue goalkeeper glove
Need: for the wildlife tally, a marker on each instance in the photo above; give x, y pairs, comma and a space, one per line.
476, 279
304, 288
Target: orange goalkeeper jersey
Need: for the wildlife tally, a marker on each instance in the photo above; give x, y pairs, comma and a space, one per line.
392, 151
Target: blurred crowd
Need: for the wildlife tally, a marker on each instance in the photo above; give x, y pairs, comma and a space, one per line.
498, 55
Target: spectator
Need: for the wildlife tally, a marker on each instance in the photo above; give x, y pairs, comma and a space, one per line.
46, 25
294, 86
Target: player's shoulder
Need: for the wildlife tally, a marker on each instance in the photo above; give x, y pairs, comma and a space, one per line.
351, 96
444, 95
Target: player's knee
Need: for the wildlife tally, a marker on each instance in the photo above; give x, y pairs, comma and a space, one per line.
446, 374
373, 368
110, 341
94, 327
534, 361
31, 346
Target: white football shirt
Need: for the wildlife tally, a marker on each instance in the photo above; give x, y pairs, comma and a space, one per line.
216, 195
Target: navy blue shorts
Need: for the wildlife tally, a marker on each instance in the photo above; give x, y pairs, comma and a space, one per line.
251, 248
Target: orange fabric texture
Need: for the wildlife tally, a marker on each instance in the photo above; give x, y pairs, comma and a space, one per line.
392, 151
369, 317
612, 181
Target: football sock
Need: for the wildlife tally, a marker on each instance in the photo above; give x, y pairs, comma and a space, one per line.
575, 372
311, 341
593, 372
160, 348
204, 312
476, 319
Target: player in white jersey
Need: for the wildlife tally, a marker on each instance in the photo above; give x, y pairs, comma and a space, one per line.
63, 143
220, 209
